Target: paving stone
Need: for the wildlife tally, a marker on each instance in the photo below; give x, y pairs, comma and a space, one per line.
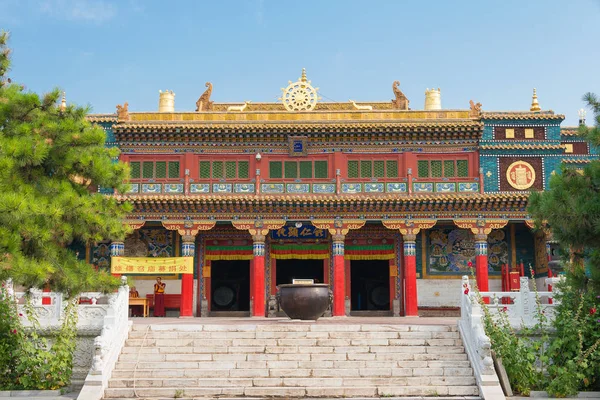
290, 373
275, 391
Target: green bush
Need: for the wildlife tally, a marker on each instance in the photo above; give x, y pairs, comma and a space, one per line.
27, 360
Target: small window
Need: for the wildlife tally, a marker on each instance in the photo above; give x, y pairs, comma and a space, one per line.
449, 169
147, 170
275, 169
217, 169
243, 169
366, 169
205, 169
230, 169
134, 169
378, 169
173, 169
462, 168
161, 169
352, 169
436, 169
291, 169
423, 169
391, 169
306, 169
321, 170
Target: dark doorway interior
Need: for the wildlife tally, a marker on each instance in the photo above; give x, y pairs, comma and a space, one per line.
370, 287
299, 269
230, 285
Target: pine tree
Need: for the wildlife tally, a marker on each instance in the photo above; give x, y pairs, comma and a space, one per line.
49, 159
571, 208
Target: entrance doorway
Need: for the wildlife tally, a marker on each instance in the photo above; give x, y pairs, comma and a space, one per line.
287, 270
369, 285
230, 286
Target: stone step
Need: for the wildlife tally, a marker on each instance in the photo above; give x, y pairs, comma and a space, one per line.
294, 335
294, 327
355, 391
257, 378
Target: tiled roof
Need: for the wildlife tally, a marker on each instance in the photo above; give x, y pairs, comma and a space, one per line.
573, 160
102, 118
520, 146
521, 115
569, 131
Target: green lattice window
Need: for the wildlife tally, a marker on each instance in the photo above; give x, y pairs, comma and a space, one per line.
134, 170
204, 169
436, 169
243, 169
352, 169
305, 169
423, 169
275, 169
462, 167
366, 169
161, 169
391, 169
217, 169
147, 170
321, 170
291, 169
230, 169
449, 169
173, 169
378, 169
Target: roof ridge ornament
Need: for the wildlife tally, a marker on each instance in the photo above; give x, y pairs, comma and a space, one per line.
535, 106
300, 95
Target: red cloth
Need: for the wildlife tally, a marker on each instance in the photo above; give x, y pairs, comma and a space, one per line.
159, 305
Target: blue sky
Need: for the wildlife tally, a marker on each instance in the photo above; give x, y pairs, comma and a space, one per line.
105, 52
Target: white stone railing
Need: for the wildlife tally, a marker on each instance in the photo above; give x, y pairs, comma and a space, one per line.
522, 310
107, 346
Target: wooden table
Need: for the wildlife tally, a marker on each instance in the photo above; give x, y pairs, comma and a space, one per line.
140, 301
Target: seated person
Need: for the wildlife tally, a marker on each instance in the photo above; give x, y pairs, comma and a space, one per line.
133, 292
136, 311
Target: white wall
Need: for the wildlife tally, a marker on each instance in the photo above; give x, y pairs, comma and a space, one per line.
445, 292
146, 286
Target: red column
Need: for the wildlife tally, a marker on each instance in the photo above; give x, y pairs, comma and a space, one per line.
339, 277
481, 262
411, 308
187, 295
258, 277
188, 248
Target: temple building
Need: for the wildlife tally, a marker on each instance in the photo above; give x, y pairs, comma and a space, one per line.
387, 202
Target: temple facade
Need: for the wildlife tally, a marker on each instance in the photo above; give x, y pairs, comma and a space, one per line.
387, 203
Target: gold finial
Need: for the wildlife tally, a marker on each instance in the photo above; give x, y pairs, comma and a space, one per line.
535, 106
63, 102
303, 77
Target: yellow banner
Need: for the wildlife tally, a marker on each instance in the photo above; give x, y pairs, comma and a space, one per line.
152, 265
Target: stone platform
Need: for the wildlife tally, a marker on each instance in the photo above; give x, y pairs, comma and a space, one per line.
259, 357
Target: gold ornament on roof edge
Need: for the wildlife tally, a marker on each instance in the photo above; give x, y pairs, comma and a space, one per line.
300, 95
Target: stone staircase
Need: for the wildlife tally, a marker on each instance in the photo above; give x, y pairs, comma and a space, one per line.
292, 359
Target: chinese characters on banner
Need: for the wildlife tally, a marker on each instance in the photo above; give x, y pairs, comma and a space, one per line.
152, 265
304, 232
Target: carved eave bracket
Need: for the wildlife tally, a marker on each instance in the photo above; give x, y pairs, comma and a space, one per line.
339, 226
258, 226
134, 224
480, 226
409, 227
188, 227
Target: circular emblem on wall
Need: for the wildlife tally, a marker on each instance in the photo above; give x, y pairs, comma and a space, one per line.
520, 175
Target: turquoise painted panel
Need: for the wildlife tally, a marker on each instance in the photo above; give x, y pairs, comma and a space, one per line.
445, 187
222, 187
424, 187
151, 188
200, 188
550, 164
373, 187
468, 187
134, 188
174, 188
489, 165
488, 132
351, 188
244, 188
553, 133
297, 188
271, 188
396, 187
324, 188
